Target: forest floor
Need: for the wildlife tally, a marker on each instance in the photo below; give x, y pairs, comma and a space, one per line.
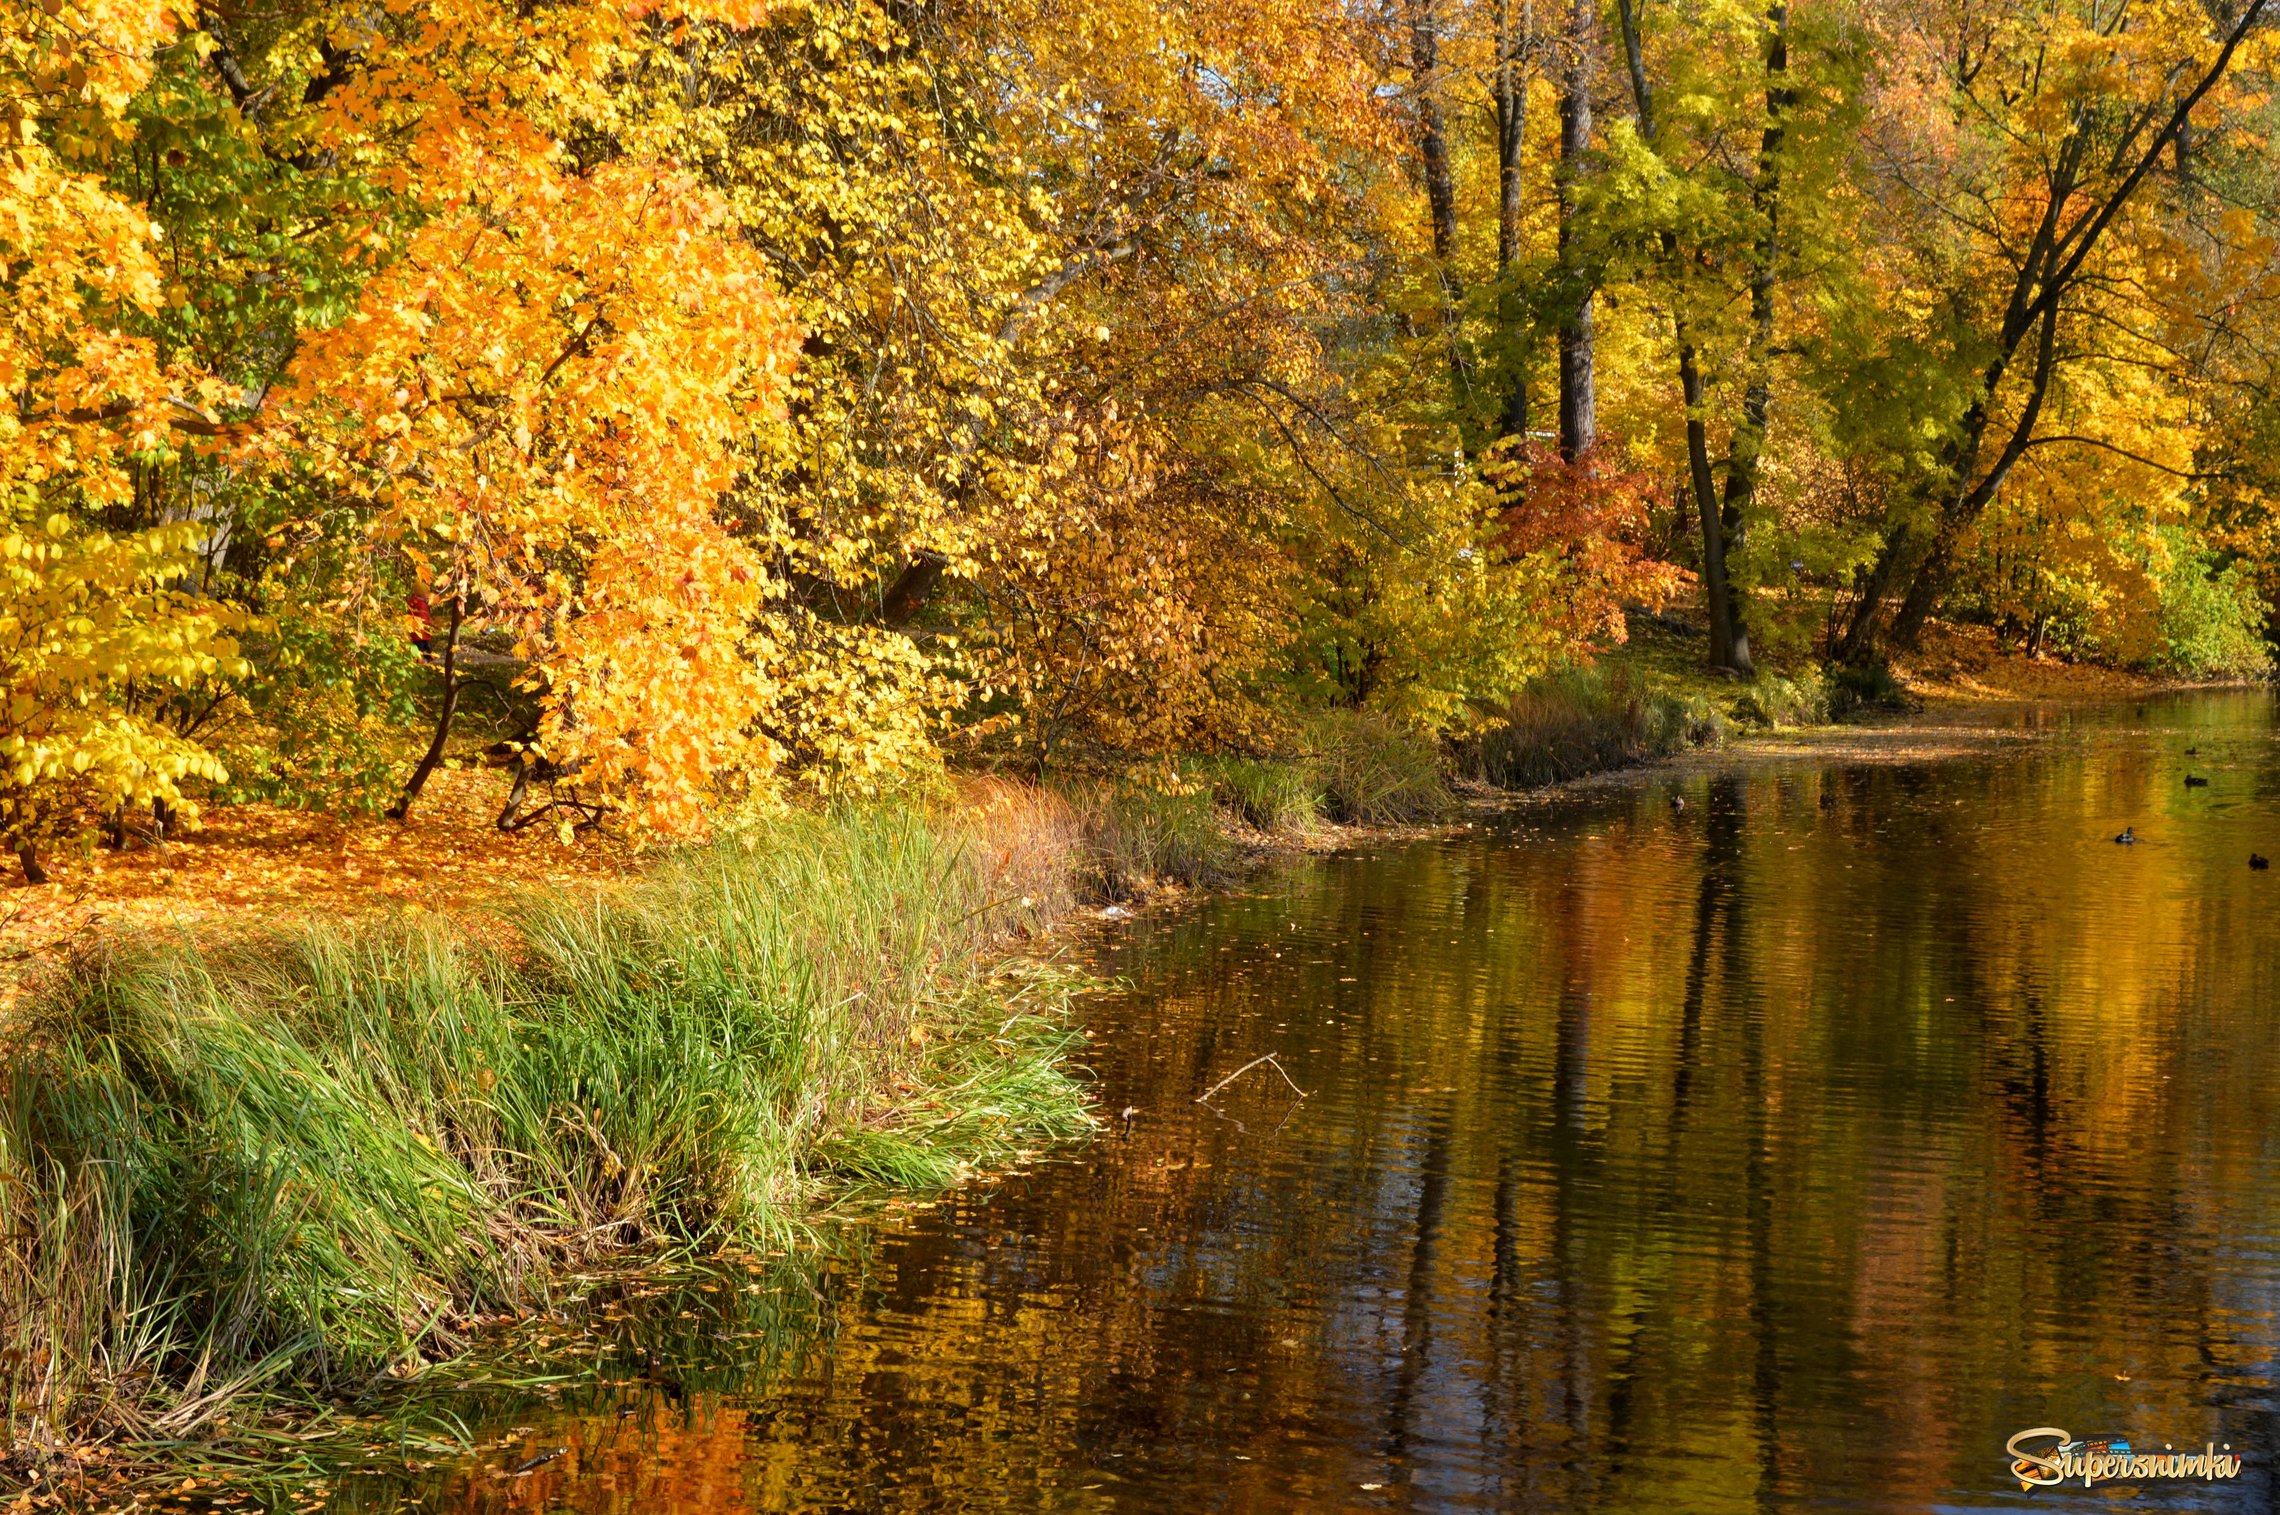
1963, 665
257, 861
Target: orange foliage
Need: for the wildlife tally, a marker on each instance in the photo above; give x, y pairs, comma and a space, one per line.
1591, 516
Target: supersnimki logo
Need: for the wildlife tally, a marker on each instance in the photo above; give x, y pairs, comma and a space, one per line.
2046, 1456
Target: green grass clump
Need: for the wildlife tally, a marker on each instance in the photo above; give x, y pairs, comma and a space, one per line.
1865, 686
1140, 835
307, 1157
1586, 720
1373, 771
1273, 794
1771, 700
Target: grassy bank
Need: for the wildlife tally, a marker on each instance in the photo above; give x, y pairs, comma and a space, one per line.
299, 1159
1197, 823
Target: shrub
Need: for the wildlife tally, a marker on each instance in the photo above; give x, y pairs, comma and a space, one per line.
1372, 771
2212, 618
1137, 836
1867, 685
1273, 794
1585, 720
1772, 700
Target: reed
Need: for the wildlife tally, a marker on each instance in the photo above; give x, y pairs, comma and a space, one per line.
1586, 720
1140, 835
1373, 771
296, 1159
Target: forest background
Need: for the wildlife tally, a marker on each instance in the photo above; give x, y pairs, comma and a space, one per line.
700, 405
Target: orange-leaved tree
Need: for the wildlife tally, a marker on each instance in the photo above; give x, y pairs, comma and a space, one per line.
542, 401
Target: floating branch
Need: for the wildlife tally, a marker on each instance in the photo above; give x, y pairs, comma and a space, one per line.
1269, 1058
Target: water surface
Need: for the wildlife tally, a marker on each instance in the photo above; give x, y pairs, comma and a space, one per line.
1786, 1149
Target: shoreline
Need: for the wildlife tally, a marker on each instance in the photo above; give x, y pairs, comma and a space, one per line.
1026, 860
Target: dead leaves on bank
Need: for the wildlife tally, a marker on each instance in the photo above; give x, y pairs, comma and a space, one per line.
262, 862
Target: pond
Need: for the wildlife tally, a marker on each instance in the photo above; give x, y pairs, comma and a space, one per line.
1776, 1131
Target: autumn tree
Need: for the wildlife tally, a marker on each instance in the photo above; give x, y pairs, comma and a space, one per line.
2043, 146
99, 614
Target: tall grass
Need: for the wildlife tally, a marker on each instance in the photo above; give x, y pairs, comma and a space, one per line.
1140, 835
1373, 771
1586, 720
314, 1155
1274, 795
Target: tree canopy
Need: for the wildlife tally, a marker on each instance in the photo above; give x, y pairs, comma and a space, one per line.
742, 397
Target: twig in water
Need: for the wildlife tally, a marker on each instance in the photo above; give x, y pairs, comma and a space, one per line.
1268, 1057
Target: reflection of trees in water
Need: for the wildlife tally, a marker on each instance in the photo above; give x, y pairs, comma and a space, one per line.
1805, 1142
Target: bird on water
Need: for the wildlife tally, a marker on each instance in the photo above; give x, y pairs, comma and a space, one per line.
2129, 835
2259, 861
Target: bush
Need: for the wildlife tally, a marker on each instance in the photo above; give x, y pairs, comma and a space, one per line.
1374, 772
1586, 720
1772, 701
2212, 619
1868, 685
1138, 836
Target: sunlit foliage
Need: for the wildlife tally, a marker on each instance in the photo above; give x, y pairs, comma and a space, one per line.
711, 400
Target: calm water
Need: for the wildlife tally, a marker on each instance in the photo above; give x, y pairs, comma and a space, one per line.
1788, 1150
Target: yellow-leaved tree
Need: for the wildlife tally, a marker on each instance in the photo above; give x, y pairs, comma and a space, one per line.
97, 620
540, 404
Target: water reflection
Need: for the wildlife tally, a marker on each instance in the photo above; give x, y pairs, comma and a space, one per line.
1793, 1147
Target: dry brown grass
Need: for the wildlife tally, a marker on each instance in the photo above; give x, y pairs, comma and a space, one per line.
1027, 840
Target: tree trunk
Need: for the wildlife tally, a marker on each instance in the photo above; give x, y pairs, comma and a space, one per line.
1923, 596
433, 757
1511, 126
29, 856
1440, 185
1859, 643
1714, 583
1964, 504
1579, 418
1729, 644
912, 588
1511, 143
1746, 447
1433, 135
